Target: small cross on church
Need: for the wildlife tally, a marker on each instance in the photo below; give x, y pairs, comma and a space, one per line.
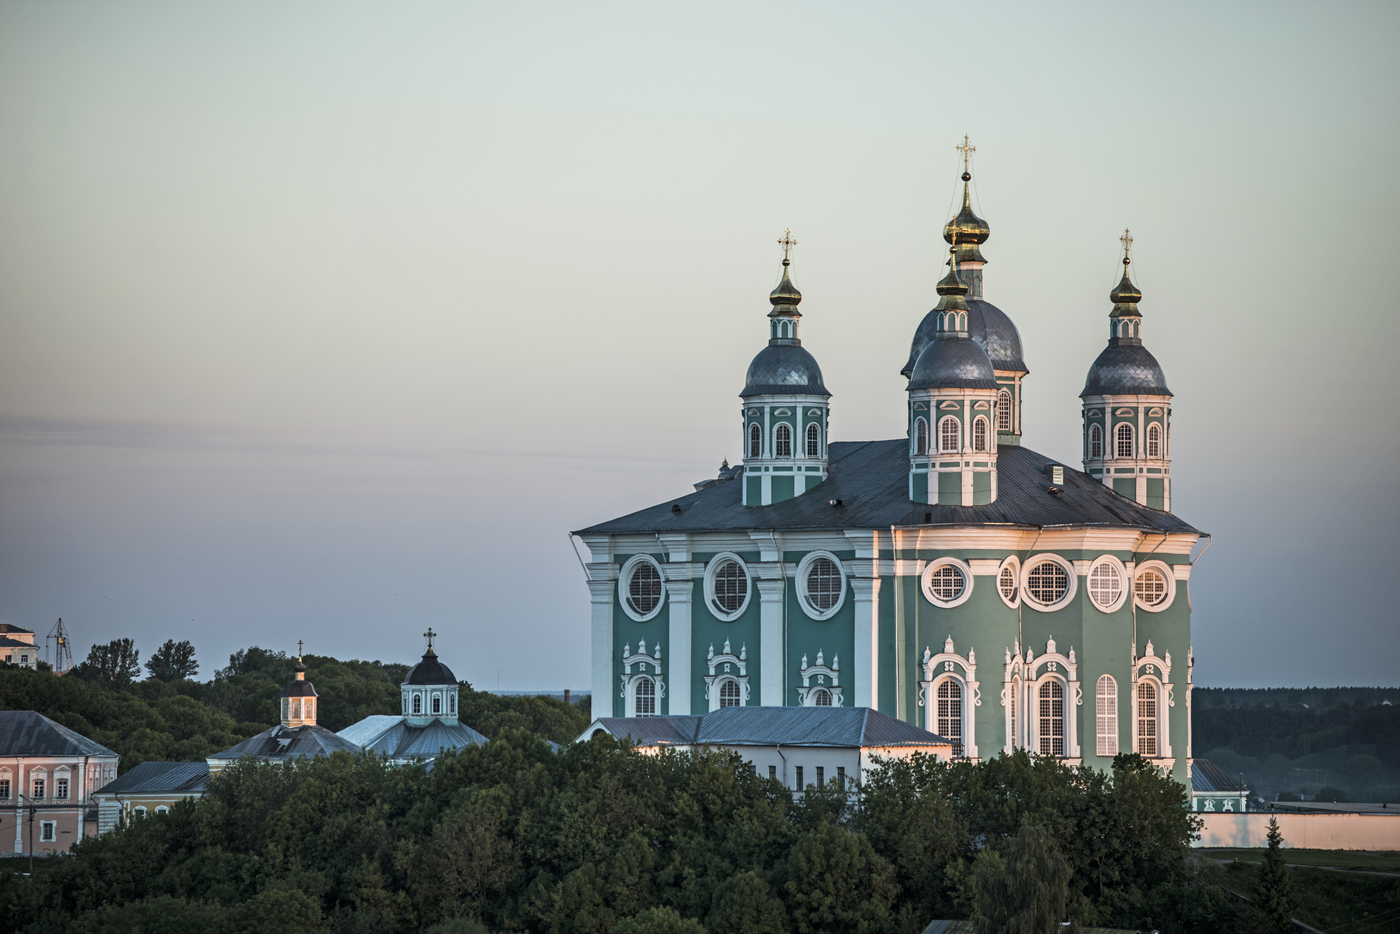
967, 149
1127, 241
787, 243
429, 636
298, 650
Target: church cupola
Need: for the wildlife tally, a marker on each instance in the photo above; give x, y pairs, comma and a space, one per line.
299, 698
1127, 405
430, 690
952, 407
785, 405
987, 325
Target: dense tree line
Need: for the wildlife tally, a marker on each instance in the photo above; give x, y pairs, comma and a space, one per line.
1293, 731
600, 839
168, 716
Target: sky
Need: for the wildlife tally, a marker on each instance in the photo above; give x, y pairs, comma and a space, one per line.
329, 321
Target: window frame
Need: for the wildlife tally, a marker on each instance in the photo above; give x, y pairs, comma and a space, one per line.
48, 831
1118, 440
1140, 719
942, 434
1162, 568
1123, 586
624, 586
725, 684
921, 436
812, 445
1036, 561
779, 441
1106, 719
926, 582
1012, 563
804, 568
634, 696
755, 439
1154, 441
1066, 711
979, 423
712, 569
1004, 413
960, 742
1095, 442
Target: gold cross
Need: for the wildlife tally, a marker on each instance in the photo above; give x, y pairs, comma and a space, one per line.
429, 636
787, 243
1127, 241
298, 650
966, 149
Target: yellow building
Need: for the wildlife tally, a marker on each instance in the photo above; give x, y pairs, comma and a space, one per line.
48, 774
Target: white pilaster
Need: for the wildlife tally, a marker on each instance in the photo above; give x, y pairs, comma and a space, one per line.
866, 678
772, 657
600, 595
679, 592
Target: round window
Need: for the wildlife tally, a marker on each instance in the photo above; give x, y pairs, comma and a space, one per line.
823, 584
1047, 583
1006, 583
1105, 585
727, 587
947, 582
1150, 588
641, 588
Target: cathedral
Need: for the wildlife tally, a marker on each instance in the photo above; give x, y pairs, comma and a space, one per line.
952, 578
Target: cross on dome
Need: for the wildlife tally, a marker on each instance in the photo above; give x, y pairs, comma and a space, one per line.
966, 149
787, 243
430, 635
1127, 241
298, 650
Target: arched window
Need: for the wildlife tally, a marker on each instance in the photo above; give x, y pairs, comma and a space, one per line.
948, 436
1095, 442
814, 440
437, 705
950, 714
1003, 411
920, 436
755, 440
783, 442
1147, 718
979, 434
1107, 711
1052, 719
645, 697
1154, 441
822, 699
452, 705
417, 704
1124, 434
296, 710
162, 809
729, 694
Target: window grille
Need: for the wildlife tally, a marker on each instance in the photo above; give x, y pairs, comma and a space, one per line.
437, 705
783, 437
1003, 411
1147, 718
296, 709
946, 582
799, 778
1150, 587
1125, 439
644, 588
1154, 441
821, 775
46, 833
60, 789
417, 704
645, 697
1047, 583
1107, 711
841, 775
823, 699
948, 436
823, 584
1105, 585
5, 789
38, 789
1015, 723
979, 434
950, 714
1095, 442
755, 441
772, 771
452, 705
729, 694
920, 436
1006, 583
1052, 719
731, 587
814, 439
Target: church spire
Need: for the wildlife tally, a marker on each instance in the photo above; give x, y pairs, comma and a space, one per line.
1125, 319
299, 697
785, 298
970, 229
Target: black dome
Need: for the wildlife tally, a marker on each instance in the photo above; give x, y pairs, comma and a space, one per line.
988, 325
298, 689
784, 368
430, 671
1127, 369
953, 363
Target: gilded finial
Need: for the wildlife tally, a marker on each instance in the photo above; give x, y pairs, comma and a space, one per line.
1127, 241
787, 243
1126, 295
786, 294
967, 149
298, 650
429, 635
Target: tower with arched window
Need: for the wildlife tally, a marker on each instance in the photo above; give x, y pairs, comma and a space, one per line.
785, 406
1127, 406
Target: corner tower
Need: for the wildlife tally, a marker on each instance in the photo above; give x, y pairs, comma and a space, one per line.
785, 405
952, 408
1127, 406
987, 325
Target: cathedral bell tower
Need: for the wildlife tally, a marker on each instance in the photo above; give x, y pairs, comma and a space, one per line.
785, 406
299, 698
1127, 406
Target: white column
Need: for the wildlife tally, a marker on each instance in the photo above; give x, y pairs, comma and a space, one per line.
19, 809
600, 595
867, 660
679, 593
773, 658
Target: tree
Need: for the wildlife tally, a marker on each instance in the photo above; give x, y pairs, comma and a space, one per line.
746, 904
1274, 894
117, 661
173, 661
658, 921
1024, 892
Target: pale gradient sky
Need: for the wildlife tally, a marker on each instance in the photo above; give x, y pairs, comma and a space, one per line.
327, 321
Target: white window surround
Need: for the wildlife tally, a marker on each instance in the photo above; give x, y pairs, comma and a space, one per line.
1106, 716
755, 440
48, 831
625, 581
1159, 671
827, 678
926, 582
727, 667
162, 809
803, 569
782, 440
981, 433
920, 436
813, 433
710, 570
1012, 563
1122, 572
1020, 697
949, 665
1070, 590
648, 667
1003, 411
949, 435
1164, 569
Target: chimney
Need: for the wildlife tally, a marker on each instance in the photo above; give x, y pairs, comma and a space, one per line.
566, 697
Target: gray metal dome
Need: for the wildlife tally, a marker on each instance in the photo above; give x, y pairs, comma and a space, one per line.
1126, 367
784, 368
988, 325
953, 363
430, 671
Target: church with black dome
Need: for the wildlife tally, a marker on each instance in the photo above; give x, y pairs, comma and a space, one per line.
952, 578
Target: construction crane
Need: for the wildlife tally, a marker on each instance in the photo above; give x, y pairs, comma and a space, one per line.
58, 646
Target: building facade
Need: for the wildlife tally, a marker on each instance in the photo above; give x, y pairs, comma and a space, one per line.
48, 774
953, 578
17, 646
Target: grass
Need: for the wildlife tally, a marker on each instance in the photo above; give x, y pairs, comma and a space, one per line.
1335, 902
1342, 859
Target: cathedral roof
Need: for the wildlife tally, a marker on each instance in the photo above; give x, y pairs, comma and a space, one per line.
282, 742
1125, 368
952, 363
430, 671
393, 737
785, 369
870, 479
847, 727
988, 325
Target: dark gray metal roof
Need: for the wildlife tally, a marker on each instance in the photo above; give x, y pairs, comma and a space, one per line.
871, 480
430, 671
1207, 776
953, 362
650, 731
987, 324
30, 733
281, 742
160, 778
392, 736
854, 727
10, 627
1125, 367
784, 367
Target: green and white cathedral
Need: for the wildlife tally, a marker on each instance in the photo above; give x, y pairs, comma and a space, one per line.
951, 578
